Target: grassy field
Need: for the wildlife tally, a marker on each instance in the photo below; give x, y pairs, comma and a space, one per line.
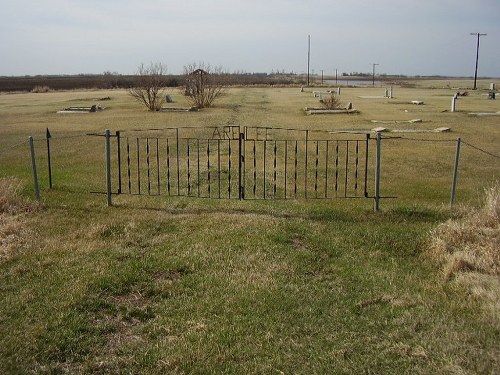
191, 286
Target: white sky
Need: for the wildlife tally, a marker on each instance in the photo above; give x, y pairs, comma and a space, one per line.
414, 37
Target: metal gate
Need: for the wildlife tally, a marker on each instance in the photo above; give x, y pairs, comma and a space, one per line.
233, 162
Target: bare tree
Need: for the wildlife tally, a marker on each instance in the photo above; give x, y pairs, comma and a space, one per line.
150, 86
204, 83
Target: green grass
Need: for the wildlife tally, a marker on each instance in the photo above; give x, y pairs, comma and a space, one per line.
187, 286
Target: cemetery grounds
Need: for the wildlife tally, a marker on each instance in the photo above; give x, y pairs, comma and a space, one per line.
181, 285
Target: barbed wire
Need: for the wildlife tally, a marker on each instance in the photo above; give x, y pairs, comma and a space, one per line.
418, 139
481, 150
12, 147
62, 137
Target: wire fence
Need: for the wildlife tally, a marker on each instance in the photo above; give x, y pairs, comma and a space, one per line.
409, 171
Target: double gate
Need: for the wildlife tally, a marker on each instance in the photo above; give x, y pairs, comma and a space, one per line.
233, 162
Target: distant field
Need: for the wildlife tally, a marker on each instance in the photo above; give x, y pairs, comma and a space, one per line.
180, 285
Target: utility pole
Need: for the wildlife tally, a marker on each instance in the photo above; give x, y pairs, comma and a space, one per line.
373, 75
477, 56
321, 76
308, 57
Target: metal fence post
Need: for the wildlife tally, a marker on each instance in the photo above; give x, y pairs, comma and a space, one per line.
33, 165
108, 168
48, 136
118, 144
377, 172
455, 174
241, 165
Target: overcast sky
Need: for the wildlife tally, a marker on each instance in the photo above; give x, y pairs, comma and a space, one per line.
413, 37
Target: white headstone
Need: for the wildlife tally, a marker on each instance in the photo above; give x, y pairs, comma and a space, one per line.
493, 86
453, 103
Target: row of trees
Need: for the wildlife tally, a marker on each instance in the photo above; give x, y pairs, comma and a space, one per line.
203, 84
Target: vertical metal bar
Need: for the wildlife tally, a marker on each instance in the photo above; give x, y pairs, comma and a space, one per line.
306, 163
199, 175
285, 167
188, 168
455, 173
33, 165
148, 166
178, 163
218, 165
356, 170
138, 168
295, 169
168, 168
316, 164
275, 164
229, 169
119, 156
241, 160
48, 136
208, 169
265, 147
108, 168
158, 165
377, 172
128, 168
366, 165
336, 169
346, 168
254, 169
326, 167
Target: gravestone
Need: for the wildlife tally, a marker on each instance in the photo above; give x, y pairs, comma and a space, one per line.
453, 103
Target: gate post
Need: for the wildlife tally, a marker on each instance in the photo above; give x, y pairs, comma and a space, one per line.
241, 166
108, 168
377, 172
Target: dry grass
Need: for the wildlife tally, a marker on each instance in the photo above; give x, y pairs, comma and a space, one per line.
470, 249
13, 230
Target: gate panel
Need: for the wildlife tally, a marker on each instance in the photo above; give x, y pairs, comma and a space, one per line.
256, 163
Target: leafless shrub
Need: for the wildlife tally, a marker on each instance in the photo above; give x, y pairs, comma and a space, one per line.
204, 84
150, 86
331, 102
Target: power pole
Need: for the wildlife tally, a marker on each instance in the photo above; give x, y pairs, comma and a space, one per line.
477, 56
308, 56
373, 75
